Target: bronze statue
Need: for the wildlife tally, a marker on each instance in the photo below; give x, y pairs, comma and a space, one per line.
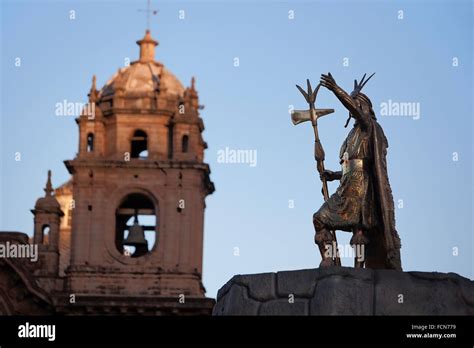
363, 203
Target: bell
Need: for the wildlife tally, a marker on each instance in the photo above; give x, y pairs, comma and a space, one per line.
136, 235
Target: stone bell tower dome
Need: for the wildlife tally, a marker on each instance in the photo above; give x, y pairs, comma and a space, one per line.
139, 188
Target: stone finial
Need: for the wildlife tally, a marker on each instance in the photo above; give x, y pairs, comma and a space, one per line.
49, 187
93, 93
191, 95
48, 203
147, 48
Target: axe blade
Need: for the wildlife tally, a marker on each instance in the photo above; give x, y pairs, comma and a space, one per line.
323, 112
300, 116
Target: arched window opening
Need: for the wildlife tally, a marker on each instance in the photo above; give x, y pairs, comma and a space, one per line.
45, 231
139, 145
90, 142
185, 144
135, 224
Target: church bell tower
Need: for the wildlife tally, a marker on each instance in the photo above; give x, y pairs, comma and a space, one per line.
139, 189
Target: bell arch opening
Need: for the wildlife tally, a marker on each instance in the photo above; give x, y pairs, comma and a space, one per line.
45, 230
139, 145
90, 142
135, 225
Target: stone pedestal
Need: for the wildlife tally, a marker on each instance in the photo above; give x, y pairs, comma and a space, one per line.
346, 291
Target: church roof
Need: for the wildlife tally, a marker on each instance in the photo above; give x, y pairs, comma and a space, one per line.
140, 78
143, 76
64, 189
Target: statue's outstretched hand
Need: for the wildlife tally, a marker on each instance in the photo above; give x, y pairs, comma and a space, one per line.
328, 81
329, 175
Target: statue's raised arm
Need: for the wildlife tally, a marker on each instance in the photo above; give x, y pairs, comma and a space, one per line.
359, 111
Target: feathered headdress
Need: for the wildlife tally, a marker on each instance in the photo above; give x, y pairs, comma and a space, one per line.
357, 94
358, 86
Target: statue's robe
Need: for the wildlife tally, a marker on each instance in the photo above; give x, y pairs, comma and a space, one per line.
364, 198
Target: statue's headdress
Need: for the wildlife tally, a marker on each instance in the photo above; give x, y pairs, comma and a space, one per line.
356, 93
358, 86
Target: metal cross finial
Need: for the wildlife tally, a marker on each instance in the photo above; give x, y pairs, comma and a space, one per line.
149, 11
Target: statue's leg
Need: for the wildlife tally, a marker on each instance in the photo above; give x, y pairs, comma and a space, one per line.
324, 239
359, 242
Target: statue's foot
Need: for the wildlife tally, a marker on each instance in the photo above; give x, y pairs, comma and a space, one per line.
328, 262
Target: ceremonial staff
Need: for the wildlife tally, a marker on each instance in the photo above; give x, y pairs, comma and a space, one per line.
313, 115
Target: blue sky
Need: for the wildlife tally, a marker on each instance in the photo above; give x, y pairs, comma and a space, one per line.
247, 108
